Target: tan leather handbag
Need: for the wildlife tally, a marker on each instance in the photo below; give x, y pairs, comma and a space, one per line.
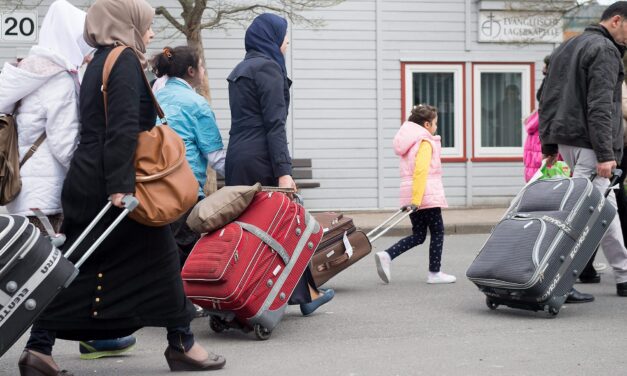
165, 185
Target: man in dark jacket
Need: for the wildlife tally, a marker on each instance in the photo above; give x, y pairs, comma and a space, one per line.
580, 114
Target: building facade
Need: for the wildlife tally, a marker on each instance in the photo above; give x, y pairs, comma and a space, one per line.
356, 78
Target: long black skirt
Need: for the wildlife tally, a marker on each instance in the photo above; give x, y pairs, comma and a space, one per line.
131, 281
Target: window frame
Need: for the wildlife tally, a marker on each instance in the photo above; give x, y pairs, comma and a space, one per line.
449, 154
491, 153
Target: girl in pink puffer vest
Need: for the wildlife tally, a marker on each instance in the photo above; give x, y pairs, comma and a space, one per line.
421, 191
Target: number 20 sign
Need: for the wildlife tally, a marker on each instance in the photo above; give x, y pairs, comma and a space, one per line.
19, 26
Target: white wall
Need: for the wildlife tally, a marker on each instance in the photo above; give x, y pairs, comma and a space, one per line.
341, 118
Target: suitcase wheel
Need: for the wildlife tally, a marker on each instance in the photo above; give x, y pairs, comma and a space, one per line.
261, 332
491, 304
217, 325
552, 311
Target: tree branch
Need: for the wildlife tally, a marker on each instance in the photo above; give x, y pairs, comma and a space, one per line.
168, 16
220, 14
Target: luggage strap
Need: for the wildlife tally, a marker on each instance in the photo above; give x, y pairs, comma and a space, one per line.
266, 238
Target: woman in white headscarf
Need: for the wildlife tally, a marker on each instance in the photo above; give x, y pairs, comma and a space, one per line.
45, 84
132, 280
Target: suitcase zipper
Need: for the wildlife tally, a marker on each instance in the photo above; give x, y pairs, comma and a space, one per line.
23, 251
16, 236
534, 256
569, 190
575, 210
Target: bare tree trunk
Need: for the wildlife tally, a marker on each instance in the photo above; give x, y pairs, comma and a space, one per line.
194, 40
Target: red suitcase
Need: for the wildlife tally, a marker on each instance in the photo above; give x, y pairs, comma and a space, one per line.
245, 272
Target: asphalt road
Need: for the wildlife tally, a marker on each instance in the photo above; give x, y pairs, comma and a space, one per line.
404, 328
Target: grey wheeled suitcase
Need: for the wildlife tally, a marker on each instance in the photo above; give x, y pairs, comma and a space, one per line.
536, 252
33, 271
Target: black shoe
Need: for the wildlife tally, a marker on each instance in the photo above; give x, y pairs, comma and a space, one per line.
621, 289
595, 278
575, 296
178, 361
31, 365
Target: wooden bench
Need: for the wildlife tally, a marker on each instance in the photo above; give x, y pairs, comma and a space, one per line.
301, 172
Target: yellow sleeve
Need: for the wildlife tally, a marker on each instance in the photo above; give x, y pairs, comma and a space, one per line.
419, 184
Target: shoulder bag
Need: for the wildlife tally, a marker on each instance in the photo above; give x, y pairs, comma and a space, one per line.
10, 182
165, 185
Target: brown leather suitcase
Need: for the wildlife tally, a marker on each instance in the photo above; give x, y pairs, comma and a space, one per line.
331, 256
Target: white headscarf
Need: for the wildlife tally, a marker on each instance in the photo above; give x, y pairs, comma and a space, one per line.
62, 32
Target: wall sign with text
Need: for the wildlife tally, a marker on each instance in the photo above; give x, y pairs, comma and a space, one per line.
520, 27
19, 26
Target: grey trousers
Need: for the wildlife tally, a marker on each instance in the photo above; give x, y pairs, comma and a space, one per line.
583, 162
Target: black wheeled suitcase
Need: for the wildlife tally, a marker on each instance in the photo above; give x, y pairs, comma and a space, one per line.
33, 271
536, 252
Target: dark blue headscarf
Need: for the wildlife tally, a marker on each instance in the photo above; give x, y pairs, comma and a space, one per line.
266, 35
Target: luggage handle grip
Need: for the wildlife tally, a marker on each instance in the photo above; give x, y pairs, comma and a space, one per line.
130, 203
616, 174
338, 261
288, 191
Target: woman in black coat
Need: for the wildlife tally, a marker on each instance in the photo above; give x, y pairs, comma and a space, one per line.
132, 280
259, 98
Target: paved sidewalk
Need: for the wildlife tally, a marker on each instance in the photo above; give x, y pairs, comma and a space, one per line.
456, 221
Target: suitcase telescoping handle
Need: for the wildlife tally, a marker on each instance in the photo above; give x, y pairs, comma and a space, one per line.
130, 203
288, 191
389, 223
616, 174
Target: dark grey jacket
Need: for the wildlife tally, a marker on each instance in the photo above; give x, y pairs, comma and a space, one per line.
581, 97
259, 98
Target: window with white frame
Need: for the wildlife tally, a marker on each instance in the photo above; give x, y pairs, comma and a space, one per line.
440, 85
502, 98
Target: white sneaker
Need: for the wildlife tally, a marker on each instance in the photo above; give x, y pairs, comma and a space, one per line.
440, 277
599, 266
383, 261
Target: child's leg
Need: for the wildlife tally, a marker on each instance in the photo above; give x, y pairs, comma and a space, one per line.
436, 229
419, 229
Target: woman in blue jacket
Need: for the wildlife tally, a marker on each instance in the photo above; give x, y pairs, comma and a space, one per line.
189, 114
259, 98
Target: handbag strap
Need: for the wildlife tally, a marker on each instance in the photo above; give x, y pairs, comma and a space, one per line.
106, 71
33, 148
